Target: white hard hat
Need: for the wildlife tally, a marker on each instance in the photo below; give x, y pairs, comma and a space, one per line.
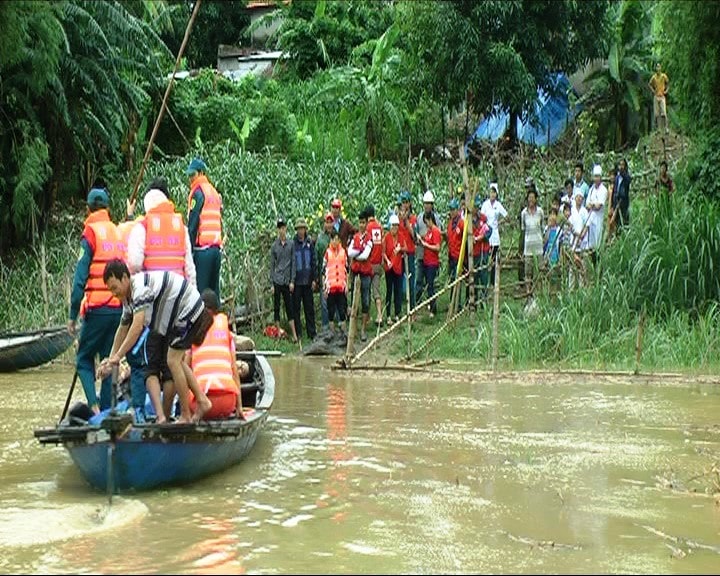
428, 197
394, 219
597, 170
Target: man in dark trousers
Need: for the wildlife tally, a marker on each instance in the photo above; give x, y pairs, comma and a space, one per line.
282, 271
99, 244
304, 278
204, 227
621, 197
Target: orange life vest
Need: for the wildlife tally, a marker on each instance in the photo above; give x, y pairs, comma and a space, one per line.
164, 239
210, 229
359, 242
108, 246
124, 229
336, 270
212, 365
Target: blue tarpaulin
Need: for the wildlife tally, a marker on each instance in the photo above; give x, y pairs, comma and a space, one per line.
552, 113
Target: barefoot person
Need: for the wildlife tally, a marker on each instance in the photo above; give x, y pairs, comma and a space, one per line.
170, 307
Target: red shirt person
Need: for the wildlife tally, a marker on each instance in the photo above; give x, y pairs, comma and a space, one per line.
431, 257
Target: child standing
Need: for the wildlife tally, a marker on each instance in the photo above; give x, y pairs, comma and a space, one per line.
551, 248
335, 282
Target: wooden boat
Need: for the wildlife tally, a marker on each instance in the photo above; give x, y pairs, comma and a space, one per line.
119, 455
20, 350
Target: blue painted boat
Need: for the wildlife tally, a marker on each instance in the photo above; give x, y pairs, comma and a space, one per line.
19, 350
119, 455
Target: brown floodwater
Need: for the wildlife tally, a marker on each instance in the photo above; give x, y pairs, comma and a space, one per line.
392, 473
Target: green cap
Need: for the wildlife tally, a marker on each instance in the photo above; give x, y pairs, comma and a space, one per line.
98, 198
196, 165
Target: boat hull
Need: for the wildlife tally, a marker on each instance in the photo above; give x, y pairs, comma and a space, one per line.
29, 349
144, 464
119, 455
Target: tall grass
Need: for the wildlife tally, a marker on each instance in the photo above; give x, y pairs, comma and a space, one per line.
664, 263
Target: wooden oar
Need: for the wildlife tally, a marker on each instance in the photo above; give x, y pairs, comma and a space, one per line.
241, 354
111, 445
67, 400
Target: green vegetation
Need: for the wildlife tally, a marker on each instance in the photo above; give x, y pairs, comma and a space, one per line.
367, 85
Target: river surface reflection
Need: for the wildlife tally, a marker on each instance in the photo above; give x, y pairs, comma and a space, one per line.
391, 473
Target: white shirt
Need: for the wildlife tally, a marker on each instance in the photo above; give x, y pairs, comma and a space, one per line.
136, 253
156, 293
578, 219
596, 195
360, 255
493, 211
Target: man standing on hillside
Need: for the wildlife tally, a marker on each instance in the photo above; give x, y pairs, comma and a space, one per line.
659, 84
205, 227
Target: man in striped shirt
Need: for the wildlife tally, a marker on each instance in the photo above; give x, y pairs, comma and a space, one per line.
170, 306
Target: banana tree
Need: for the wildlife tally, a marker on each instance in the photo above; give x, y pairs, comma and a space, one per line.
618, 89
371, 93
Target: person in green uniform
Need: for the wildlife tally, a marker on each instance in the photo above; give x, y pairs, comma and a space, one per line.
90, 298
205, 226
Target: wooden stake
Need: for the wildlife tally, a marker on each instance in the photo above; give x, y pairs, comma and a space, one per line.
639, 341
44, 283
149, 149
353, 321
407, 303
496, 312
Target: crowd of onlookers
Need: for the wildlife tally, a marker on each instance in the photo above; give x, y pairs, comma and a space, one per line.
406, 249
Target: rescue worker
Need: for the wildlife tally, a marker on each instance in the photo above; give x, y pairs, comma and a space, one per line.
375, 233
205, 226
359, 250
214, 367
335, 285
99, 244
162, 242
159, 242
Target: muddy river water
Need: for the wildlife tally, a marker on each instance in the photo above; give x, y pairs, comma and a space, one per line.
392, 473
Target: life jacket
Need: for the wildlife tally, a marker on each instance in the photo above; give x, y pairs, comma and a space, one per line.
396, 260
454, 237
336, 269
124, 229
164, 239
108, 246
363, 267
210, 229
212, 365
374, 231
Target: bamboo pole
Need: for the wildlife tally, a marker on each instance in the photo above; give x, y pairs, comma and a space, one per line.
469, 206
438, 332
349, 359
496, 312
407, 303
352, 328
149, 149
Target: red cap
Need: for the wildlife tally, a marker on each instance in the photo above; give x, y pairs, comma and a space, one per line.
483, 218
329, 217
336, 203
